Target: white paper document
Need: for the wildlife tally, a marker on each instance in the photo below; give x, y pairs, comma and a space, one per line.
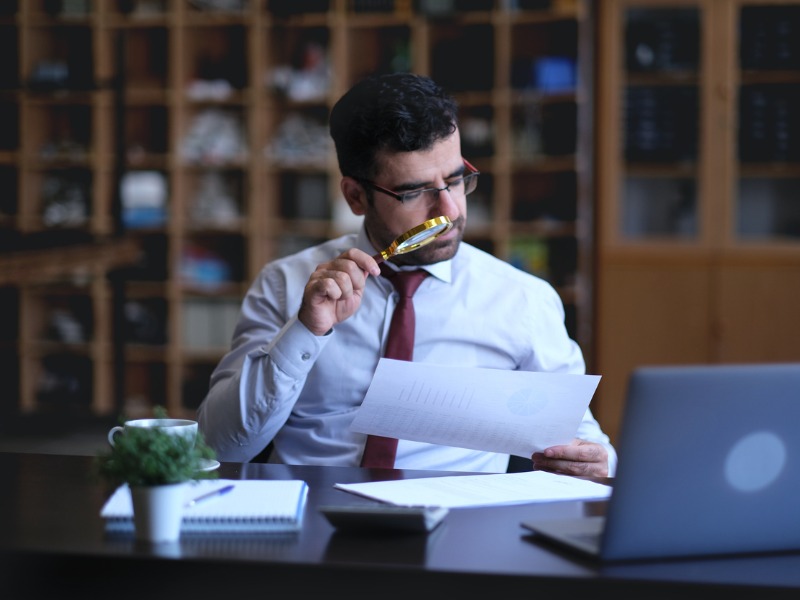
460, 491
511, 412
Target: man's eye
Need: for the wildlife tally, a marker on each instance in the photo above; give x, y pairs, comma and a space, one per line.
455, 183
409, 196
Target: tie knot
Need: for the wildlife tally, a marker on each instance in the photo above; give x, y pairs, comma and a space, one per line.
405, 282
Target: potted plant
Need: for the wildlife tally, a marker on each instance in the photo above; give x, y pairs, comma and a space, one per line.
157, 465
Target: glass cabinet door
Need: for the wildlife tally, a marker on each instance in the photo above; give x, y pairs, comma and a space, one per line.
660, 100
767, 207
705, 140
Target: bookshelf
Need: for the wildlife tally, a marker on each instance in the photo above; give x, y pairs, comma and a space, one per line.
198, 133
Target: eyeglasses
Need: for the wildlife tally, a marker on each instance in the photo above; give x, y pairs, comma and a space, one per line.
461, 185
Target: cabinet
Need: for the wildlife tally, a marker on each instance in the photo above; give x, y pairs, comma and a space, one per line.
199, 130
698, 172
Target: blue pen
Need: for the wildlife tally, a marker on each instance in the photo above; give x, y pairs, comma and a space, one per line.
220, 492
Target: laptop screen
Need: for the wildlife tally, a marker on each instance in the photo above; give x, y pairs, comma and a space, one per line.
709, 462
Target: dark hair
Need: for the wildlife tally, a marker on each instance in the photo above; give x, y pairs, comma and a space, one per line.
398, 112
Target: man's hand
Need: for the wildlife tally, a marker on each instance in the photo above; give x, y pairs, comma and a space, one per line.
577, 458
334, 290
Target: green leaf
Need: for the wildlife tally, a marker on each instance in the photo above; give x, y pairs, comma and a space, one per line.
148, 456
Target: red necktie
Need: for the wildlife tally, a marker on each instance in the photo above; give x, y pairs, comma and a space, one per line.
380, 451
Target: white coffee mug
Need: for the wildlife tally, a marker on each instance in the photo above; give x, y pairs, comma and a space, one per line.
185, 427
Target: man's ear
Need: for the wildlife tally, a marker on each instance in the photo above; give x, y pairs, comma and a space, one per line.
354, 195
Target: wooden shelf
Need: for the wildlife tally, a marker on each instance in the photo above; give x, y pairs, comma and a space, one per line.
155, 80
50, 265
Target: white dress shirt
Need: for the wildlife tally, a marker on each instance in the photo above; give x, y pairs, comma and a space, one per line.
280, 383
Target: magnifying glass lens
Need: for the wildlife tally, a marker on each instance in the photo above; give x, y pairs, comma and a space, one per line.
420, 239
416, 237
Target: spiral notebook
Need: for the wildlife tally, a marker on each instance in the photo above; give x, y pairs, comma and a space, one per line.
252, 506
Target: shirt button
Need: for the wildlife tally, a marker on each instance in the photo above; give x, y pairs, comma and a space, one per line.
305, 355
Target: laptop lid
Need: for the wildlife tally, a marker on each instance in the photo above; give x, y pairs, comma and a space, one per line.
709, 463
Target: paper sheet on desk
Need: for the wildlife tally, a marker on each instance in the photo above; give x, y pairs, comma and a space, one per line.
460, 491
511, 412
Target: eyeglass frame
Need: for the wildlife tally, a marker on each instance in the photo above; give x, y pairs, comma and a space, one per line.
473, 173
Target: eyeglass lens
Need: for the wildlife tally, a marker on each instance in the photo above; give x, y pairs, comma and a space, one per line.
463, 185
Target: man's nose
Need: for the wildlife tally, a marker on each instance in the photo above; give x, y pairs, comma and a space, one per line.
445, 203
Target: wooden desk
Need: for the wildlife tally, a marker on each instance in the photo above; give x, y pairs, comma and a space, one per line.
52, 542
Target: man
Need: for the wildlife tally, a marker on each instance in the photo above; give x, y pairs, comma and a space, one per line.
313, 325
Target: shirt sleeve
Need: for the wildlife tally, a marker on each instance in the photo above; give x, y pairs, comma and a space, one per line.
256, 384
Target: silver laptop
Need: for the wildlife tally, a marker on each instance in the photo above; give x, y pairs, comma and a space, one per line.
709, 464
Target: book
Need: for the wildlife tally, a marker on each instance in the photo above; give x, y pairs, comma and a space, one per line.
251, 506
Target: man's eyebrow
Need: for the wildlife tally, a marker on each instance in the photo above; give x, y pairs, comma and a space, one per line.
413, 185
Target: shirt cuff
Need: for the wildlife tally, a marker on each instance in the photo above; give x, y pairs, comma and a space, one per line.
295, 350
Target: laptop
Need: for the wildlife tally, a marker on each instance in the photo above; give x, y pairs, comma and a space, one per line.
709, 464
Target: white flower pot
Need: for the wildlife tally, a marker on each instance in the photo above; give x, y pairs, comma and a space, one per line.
158, 511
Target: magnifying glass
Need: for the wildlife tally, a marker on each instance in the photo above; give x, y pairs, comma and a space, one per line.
416, 237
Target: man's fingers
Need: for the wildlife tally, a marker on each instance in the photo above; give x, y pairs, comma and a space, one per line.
363, 261
577, 458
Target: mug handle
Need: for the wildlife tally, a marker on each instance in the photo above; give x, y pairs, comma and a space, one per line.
113, 432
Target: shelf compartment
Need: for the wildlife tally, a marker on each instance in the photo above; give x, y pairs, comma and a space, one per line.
145, 70
767, 209
146, 130
194, 383
478, 131
463, 56
59, 132
208, 323
9, 208
305, 195
770, 38
545, 57
65, 384
300, 139
9, 47
58, 198
769, 124
216, 62
551, 258
376, 48
658, 208
215, 137
60, 57
660, 40
144, 321
661, 124
212, 261
143, 387
217, 200
299, 66
62, 317
544, 197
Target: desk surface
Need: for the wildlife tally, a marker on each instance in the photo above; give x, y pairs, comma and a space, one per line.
51, 536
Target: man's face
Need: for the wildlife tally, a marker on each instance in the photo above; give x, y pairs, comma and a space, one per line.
386, 218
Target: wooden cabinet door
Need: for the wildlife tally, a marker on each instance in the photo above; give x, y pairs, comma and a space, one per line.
648, 315
756, 318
